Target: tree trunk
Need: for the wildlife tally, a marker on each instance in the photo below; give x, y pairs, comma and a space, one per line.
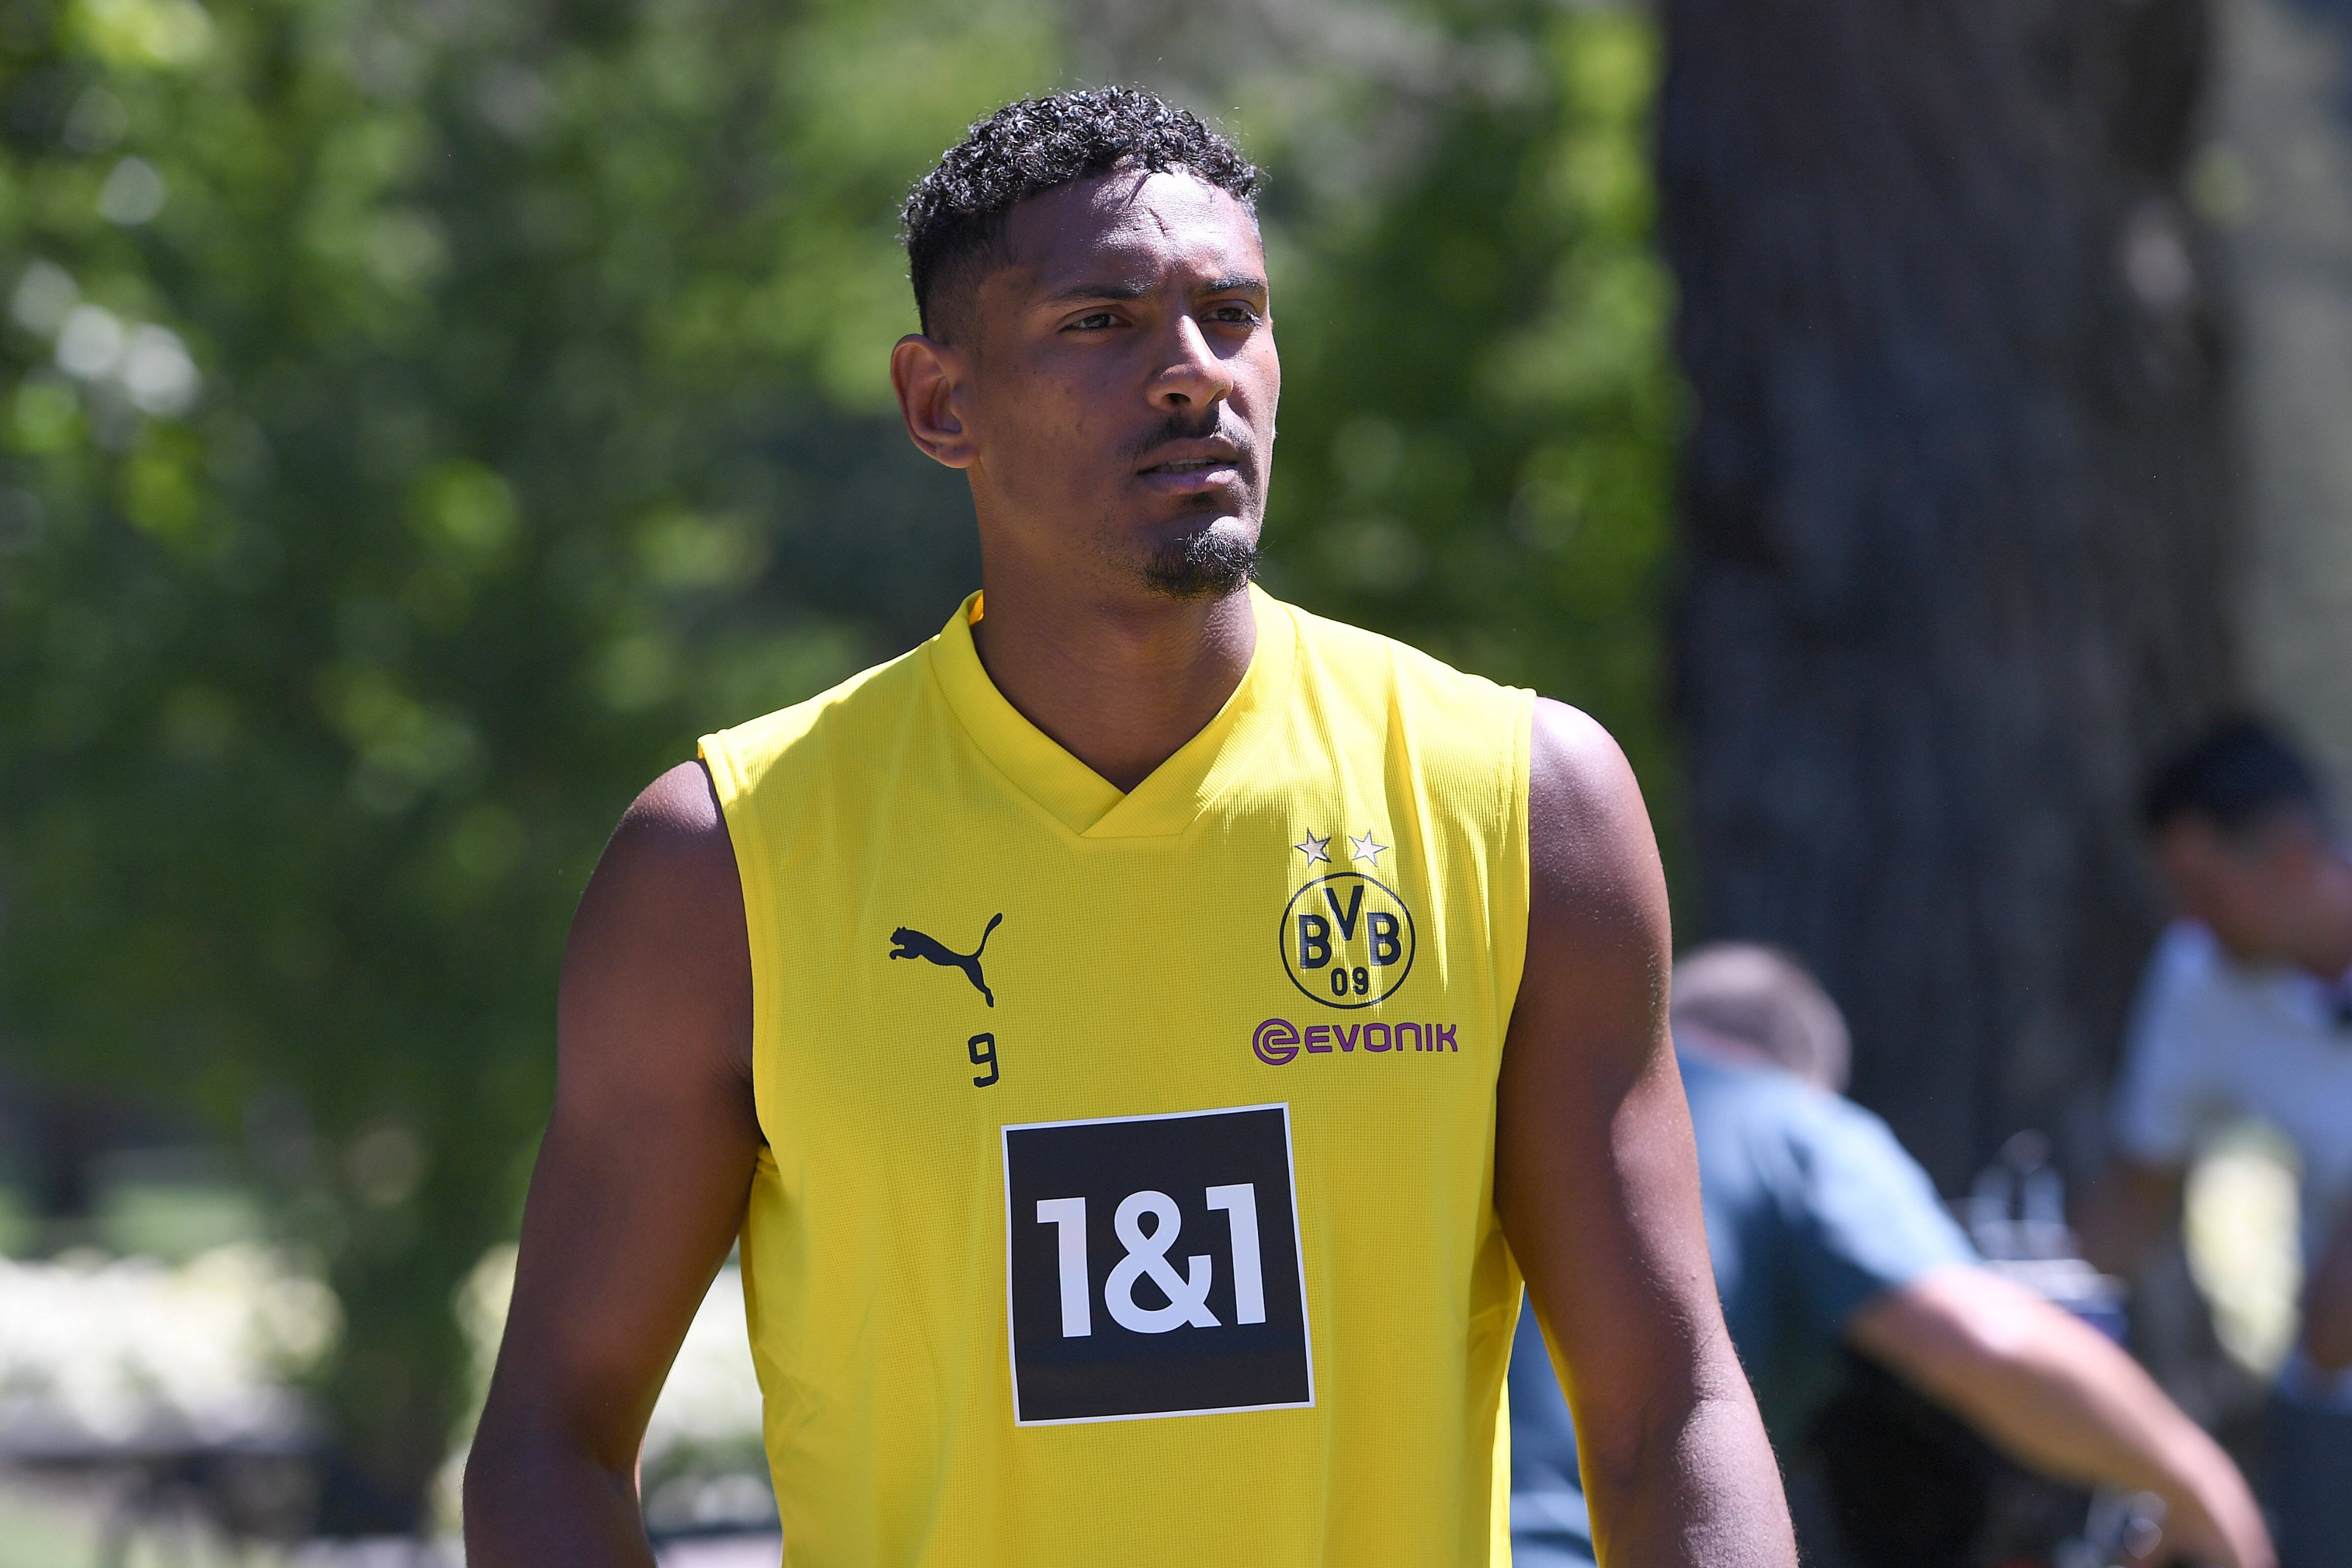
1957, 542
2281, 180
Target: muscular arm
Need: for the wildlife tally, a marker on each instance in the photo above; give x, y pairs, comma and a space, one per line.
638, 1193
2058, 1396
1597, 1183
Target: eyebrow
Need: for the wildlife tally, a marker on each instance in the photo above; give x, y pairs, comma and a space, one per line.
1129, 288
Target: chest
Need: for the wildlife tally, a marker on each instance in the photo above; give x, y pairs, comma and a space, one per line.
2293, 1070
1159, 1095
951, 948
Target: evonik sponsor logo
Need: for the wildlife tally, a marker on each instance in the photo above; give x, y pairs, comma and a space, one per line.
1278, 1042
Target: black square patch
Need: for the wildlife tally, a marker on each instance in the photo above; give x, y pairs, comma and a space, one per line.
1152, 1267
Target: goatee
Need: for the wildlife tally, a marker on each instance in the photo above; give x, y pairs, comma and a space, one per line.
1210, 564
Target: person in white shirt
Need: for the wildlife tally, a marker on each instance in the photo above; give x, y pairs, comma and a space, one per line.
2247, 1011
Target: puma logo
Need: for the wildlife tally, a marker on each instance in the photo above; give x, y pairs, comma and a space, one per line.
908, 943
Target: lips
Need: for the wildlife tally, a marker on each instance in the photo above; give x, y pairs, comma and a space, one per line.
1188, 467
1170, 480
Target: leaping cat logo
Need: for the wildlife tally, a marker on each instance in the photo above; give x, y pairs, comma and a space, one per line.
908, 943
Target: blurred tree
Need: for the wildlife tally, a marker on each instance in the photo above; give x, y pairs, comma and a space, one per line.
1959, 537
418, 421
2277, 182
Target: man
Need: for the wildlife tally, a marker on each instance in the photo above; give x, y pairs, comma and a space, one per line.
1142, 1035
2247, 1011
1824, 1233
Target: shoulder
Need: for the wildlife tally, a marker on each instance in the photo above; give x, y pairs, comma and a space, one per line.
1585, 812
667, 874
1596, 893
1348, 665
1778, 1115
744, 756
672, 829
1574, 760
1761, 1107
1822, 1171
660, 931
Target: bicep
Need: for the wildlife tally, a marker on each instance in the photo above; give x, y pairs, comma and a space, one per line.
1596, 1176
641, 1180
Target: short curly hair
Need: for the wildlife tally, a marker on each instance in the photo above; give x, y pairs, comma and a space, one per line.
953, 220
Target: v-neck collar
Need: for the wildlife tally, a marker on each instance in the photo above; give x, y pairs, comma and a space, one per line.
1172, 798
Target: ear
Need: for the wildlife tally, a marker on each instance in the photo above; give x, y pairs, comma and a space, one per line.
930, 378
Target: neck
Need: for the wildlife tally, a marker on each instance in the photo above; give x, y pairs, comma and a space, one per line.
1120, 680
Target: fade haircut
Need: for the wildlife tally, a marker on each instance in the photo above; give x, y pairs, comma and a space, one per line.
953, 220
1763, 997
2240, 776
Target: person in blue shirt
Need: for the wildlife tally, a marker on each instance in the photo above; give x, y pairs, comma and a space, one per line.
1826, 1236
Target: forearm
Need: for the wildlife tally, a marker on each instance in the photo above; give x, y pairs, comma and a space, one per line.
538, 1498
1596, 1181
2060, 1398
2078, 1407
1699, 1489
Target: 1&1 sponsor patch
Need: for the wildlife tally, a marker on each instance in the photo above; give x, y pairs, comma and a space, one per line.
1152, 1267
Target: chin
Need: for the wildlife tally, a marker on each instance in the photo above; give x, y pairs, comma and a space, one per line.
1213, 556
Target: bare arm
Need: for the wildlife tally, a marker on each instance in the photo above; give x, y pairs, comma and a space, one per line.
638, 1193
2056, 1396
1596, 1179
2327, 1304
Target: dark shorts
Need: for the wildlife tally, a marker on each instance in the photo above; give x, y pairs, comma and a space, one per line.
2311, 1484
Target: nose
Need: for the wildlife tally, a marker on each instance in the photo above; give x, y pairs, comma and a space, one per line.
1194, 377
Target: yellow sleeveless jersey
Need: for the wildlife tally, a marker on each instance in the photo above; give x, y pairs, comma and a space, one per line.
1127, 1196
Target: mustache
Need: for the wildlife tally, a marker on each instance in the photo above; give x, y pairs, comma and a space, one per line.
1179, 426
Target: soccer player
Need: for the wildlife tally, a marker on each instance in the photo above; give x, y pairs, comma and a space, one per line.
1143, 1036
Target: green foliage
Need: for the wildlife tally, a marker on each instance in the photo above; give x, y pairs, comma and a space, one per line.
1478, 411
417, 421
393, 441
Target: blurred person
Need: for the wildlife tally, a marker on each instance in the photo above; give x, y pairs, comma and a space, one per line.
1825, 1234
1079, 1222
2247, 1011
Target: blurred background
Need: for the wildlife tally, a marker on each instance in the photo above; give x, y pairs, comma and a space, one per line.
420, 419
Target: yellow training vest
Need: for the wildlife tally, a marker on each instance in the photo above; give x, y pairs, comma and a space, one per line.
1129, 1194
